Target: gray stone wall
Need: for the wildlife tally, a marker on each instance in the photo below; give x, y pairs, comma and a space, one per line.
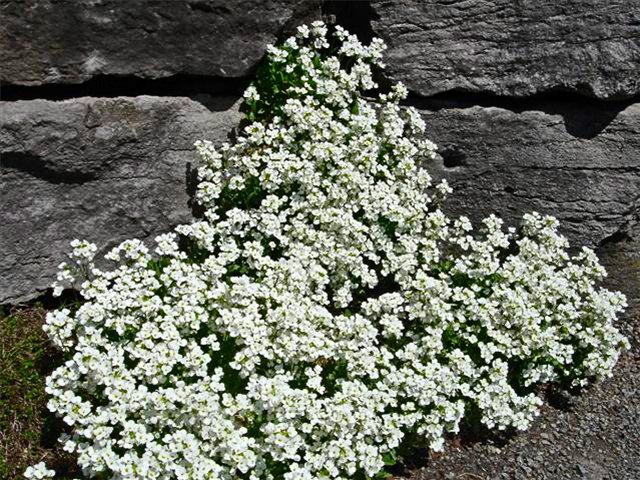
535, 105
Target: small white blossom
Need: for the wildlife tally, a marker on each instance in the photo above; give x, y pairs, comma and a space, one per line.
39, 471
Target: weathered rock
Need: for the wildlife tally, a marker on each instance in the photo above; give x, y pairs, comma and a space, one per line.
98, 169
510, 163
621, 258
515, 48
48, 41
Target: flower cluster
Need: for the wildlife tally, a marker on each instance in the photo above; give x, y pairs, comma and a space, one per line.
39, 471
324, 310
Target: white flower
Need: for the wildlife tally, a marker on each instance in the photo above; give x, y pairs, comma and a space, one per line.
251, 94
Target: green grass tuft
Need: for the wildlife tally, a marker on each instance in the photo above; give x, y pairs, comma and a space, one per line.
27, 430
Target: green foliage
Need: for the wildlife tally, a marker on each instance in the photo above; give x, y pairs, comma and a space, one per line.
26, 427
273, 83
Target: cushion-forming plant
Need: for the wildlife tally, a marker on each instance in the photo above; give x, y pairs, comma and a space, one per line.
324, 313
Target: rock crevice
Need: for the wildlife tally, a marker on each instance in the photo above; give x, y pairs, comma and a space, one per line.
201, 88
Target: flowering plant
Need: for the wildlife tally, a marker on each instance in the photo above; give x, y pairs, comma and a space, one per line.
325, 312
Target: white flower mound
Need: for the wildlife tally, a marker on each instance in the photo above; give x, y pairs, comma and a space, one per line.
325, 309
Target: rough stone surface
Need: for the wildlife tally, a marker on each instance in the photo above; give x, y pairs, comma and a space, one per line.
70, 41
98, 169
621, 258
510, 163
514, 48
